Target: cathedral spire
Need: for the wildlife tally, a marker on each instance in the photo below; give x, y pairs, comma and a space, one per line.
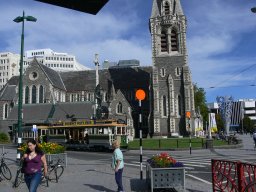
166, 7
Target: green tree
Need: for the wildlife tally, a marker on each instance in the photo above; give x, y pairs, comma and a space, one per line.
219, 122
247, 124
200, 102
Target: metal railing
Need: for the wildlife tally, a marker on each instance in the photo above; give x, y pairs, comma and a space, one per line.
232, 176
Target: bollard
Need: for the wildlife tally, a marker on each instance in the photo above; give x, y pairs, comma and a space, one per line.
190, 144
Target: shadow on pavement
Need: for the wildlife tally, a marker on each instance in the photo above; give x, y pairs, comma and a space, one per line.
99, 188
192, 190
138, 185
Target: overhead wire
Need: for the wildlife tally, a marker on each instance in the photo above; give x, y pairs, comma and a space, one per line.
235, 74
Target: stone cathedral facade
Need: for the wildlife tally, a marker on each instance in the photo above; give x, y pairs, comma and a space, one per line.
172, 85
167, 83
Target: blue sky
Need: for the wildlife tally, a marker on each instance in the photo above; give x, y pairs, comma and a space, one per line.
221, 37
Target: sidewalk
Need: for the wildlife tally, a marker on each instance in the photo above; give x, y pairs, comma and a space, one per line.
91, 176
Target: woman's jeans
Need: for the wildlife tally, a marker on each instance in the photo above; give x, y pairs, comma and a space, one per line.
118, 177
33, 181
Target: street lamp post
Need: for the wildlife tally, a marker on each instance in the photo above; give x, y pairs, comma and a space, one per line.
20, 110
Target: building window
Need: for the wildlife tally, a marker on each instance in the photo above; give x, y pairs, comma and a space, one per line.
41, 94
166, 8
164, 106
178, 71
26, 95
33, 94
163, 41
106, 97
119, 108
5, 111
179, 105
162, 72
174, 7
174, 41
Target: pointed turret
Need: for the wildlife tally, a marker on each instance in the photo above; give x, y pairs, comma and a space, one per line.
166, 7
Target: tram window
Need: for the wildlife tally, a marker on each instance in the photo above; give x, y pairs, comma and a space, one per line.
113, 131
60, 131
43, 132
118, 130
52, 131
123, 130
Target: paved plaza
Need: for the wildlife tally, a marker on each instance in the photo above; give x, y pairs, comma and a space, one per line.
91, 171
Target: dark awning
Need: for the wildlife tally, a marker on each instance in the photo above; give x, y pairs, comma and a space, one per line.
87, 6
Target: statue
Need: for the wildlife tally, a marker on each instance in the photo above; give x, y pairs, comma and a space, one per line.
98, 99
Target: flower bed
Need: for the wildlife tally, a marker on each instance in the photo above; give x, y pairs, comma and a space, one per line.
163, 160
165, 172
53, 152
47, 148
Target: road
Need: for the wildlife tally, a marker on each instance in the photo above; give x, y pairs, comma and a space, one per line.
198, 164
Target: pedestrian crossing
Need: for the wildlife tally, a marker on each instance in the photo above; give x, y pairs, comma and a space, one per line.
197, 161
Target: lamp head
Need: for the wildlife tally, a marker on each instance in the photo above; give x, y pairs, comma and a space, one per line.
18, 19
30, 18
253, 9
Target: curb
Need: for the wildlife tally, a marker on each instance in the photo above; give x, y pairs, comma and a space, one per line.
197, 148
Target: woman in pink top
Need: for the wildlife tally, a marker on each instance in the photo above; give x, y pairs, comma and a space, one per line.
33, 159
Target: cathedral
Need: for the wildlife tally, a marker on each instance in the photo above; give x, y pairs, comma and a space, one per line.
167, 83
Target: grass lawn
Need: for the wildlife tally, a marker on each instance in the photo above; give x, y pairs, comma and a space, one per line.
172, 143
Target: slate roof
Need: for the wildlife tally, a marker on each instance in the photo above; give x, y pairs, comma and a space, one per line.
38, 113
14, 80
8, 93
121, 78
53, 76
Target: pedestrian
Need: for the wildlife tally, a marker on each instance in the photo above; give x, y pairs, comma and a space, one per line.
254, 138
118, 164
33, 159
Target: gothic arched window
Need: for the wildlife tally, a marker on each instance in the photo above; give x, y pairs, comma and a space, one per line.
164, 106
119, 108
41, 94
174, 41
164, 41
27, 95
33, 94
166, 8
5, 111
174, 7
162, 72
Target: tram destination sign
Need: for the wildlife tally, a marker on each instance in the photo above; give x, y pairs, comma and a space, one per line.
88, 122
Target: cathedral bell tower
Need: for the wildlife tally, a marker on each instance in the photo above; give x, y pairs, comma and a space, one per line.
173, 93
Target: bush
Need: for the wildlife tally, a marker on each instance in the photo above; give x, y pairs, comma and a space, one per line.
4, 138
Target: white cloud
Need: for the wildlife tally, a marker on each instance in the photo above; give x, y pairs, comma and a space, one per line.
63, 30
215, 30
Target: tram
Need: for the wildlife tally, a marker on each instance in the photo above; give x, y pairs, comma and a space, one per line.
83, 135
